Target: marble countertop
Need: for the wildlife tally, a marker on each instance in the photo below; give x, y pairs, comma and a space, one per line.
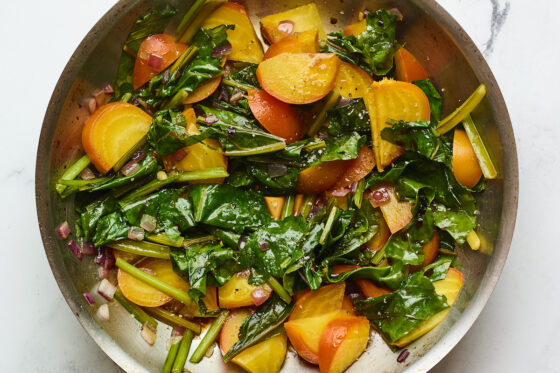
516, 332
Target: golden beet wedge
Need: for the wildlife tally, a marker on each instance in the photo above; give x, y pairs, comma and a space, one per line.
280, 25
299, 78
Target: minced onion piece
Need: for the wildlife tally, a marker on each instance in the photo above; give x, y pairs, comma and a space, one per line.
102, 273
106, 289
89, 298
236, 95
379, 197
108, 89
63, 230
403, 355
90, 103
277, 170
340, 192
258, 296
155, 61
222, 50
87, 174
148, 223
88, 248
130, 167
211, 119
148, 334
179, 155
136, 233
75, 249
286, 27
139, 155
103, 312
396, 12
99, 96
109, 262
161, 175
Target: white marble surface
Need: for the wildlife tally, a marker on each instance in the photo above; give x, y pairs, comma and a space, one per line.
516, 332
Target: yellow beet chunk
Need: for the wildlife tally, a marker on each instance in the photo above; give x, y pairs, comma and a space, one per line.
145, 295
450, 286
465, 165
326, 299
277, 26
352, 81
264, 357
303, 42
200, 156
112, 131
397, 213
299, 78
237, 292
393, 100
274, 205
243, 39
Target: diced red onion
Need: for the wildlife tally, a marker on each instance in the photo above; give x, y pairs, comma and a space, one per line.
179, 155
108, 89
236, 95
110, 260
378, 197
99, 96
139, 155
277, 170
155, 61
89, 298
340, 192
403, 355
317, 206
259, 295
148, 334
263, 246
166, 77
103, 312
63, 230
353, 187
148, 222
136, 233
130, 168
101, 255
88, 248
244, 274
102, 273
90, 103
106, 289
286, 27
222, 50
230, 131
224, 94
174, 306
396, 12
87, 174
75, 249
177, 331
343, 101
211, 119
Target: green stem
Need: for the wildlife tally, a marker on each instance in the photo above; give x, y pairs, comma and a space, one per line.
258, 150
378, 257
155, 282
172, 319
82, 183
288, 208
143, 248
146, 189
183, 59
183, 352
315, 145
170, 357
126, 156
73, 171
484, 159
359, 193
328, 225
164, 239
206, 9
137, 312
330, 102
279, 289
307, 205
241, 86
189, 15
198, 240
207, 173
450, 121
209, 337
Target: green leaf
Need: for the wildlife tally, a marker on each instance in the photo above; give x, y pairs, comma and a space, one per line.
224, 206
434, 98
110, 227
93, 212
261, 323
344, 147
373, 48
246, 76
398, 313
457, 223
348, 118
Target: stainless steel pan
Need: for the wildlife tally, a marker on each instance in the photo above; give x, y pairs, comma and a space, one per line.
452, 60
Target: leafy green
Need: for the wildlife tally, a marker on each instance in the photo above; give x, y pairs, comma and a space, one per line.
434, 98
457, 223
110, 227
413, 136
438, 269
246, 76
396, 314
224, 206
348, 118
148, 167
203, 265
373, 49
275, 246
279, 185
261, 323
168, 132
154, 22
344, 147
93, 212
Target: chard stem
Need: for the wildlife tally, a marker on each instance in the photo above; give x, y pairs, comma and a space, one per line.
330, 102
143, 248
172, 319
288, 208
359, 193
484, 159
183, 352
328, 225
170, 357
307, 205
207, 173
209, 337
137, 312
72, 172
450, 121
233, 83
258, 150
279, 289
